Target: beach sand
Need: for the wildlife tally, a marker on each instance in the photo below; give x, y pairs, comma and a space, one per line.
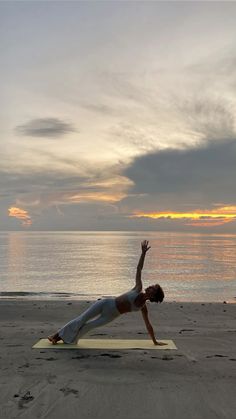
196, 381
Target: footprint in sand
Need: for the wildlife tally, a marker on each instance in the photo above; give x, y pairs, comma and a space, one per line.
13, 346
167, 358
25, 399
216, 356
51, 379
24, 366
67, 390
80, 356
186, 330
111, 355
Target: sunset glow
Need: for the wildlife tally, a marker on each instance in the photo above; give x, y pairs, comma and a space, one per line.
96, 197
20, 214
205, 218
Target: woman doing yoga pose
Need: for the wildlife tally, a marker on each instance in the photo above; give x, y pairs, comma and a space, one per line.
107, 309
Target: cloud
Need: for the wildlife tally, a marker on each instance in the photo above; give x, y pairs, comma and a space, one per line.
210, 117
199, 176
99, 108
37, 190
45, 127
20, 214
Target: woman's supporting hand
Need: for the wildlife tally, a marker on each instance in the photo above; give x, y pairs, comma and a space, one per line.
159, 343
144, 246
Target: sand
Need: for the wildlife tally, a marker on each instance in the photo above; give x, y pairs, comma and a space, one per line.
196, 381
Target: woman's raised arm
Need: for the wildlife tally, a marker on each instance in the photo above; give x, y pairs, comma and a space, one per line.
138, 280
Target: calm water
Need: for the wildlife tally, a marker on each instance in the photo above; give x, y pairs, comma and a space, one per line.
89, 265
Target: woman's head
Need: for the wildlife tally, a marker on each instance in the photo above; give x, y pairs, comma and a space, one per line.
155, 293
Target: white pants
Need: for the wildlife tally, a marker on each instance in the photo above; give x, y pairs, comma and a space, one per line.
106, 311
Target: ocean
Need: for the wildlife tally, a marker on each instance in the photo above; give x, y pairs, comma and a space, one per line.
95, 264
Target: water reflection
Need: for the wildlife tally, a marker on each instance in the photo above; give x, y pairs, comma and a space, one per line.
15, 256
92, 264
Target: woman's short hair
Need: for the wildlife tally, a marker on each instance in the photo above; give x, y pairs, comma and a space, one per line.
159, 295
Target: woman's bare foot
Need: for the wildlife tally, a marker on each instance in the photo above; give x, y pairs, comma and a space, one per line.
54, 338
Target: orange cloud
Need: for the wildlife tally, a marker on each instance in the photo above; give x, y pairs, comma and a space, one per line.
209, 222
21, 214
206, 218
97, 197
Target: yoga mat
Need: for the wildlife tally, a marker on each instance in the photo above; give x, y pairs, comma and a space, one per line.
106, 344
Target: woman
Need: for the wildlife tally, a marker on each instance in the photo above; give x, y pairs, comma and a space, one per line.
110, 308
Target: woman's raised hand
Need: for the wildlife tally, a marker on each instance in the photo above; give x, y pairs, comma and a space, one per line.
144, 246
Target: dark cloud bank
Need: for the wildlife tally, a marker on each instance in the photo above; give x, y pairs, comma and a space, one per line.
208, 172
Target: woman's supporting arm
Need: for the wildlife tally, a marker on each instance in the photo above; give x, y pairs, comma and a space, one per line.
149, 326
151, 333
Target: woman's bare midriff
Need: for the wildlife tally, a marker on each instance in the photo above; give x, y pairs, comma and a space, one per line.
123, 304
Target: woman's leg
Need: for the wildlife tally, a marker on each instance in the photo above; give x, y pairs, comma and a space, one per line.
69, 333
108, 314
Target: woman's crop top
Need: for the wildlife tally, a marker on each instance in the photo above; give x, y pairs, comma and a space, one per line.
131, 295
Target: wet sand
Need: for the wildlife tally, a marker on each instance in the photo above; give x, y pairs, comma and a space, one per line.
196, 381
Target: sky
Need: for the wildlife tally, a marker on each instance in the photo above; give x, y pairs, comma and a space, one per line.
118, 115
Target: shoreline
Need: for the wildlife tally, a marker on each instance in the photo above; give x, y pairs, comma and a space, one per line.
198, 377
87, 298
